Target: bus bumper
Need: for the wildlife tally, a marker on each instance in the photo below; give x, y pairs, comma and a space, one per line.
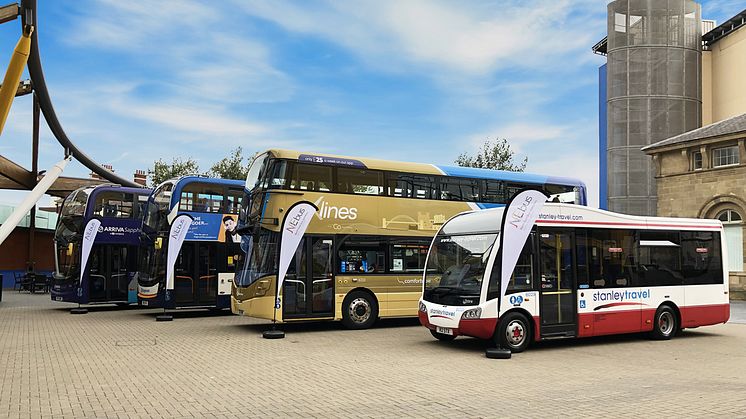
483, 328
150, 296
258, 307
64, 293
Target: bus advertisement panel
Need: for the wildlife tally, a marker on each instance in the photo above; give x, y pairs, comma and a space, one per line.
582, 272
363, 253
111, 265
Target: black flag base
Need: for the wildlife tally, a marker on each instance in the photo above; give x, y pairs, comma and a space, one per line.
164, 317
273, 334
79, 310
497, 353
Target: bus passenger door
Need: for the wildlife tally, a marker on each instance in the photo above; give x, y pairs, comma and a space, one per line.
97, 287
184, 270
557, 279
308, 290
118, 276
207, 272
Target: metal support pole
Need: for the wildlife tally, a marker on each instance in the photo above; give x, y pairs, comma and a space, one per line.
34, 174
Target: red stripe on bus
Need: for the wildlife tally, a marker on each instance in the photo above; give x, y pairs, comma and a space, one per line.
633, 321
616, 305
625, 224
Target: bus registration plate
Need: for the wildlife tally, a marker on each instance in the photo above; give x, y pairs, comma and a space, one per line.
444, 330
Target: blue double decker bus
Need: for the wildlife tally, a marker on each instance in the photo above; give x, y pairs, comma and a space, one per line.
206, 260
111, 265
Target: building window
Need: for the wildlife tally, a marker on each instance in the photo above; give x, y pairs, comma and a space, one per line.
696, 160
725, 156
733, 230
729, 216
620, 22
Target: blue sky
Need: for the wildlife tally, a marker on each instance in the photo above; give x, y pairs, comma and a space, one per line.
134, 81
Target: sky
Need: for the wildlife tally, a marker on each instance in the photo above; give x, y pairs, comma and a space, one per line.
410, 80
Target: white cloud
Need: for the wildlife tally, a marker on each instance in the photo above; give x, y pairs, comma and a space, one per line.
188, 47
210, 123
473, 38
520, 135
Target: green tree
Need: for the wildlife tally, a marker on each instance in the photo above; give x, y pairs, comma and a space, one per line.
235, 166
496, 156
163, 171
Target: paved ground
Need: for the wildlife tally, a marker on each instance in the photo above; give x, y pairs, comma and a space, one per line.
121, 363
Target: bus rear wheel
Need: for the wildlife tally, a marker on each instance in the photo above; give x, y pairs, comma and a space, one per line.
513, 332
442, 336
665, 323
359, 310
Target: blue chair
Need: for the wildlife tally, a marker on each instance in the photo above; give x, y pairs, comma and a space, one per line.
19, 279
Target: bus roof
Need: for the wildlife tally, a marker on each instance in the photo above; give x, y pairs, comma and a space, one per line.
92, 192
180, 183
113, 187
425, 168
204, 179
569, 215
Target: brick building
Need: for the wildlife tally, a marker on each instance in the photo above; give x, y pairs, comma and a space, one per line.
702, 174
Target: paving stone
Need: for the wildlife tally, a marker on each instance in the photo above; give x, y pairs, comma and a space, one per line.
121, 363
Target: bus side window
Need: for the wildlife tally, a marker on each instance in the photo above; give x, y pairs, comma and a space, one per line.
613, 258
582, 258
408, 255
233, 202
494, 192
659, 261
358, 181
411, 186
114, 205
311, 177
362, 255
701, 257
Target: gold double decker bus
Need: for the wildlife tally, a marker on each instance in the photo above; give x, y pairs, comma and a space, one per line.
363, 254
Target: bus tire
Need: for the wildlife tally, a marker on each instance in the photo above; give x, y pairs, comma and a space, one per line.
359, 310
442, 336
665, 323
513, 332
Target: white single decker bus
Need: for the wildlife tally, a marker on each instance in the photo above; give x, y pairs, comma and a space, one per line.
582, 272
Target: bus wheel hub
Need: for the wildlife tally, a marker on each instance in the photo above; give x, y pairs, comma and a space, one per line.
359, 310
514, 332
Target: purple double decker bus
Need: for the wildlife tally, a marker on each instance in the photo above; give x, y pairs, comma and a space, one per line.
98, 229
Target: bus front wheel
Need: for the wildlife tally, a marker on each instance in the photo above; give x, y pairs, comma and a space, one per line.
359, 310
665, 323
513, 332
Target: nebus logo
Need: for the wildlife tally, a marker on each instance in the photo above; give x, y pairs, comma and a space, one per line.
331, 211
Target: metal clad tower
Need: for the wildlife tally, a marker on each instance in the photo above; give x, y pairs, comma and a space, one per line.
653, 91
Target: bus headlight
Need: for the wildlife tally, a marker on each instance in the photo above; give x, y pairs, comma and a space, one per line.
422, 307
472, 314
